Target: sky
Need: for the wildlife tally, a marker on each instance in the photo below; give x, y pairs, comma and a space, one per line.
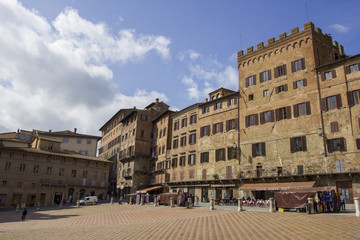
68, 64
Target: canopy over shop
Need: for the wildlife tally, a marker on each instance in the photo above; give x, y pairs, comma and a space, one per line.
146, 190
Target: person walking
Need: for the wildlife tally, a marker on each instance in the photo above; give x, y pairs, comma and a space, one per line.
24, 213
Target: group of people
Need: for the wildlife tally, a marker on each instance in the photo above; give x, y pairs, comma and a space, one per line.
329, 202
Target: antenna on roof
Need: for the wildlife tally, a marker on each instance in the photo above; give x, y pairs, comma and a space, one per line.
307, 15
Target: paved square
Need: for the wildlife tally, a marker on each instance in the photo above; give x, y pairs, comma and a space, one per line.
148, 222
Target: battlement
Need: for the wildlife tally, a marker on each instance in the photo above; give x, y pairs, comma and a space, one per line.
308, 27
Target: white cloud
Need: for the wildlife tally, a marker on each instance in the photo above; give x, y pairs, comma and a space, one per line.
206, 75
188, 54
56, 75
339, 28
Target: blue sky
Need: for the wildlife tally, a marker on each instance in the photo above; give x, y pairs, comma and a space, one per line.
67, 64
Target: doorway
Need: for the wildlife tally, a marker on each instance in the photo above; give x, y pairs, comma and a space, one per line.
345, 188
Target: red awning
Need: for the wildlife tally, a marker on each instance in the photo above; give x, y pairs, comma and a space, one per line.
148, 189
276, 186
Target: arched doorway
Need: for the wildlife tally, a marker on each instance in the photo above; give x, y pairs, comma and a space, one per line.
57, 197
82, 193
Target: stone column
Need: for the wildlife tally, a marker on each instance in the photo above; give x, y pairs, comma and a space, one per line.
357, 206
310, 202
272, 205
112, 200
240, 205
172, 202
212, 203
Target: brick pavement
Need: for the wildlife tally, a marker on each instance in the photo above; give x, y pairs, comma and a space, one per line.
148, 222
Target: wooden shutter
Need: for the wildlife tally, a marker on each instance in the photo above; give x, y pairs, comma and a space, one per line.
358, 143
350, 98
269, 74
229, 155
329, 145
358, 66
323, 105
246, 121
303, 63
256, 120
293, 66
288, 112
333, 73
214, 129
338, 101
201, 131
347, 69
286, 87
308, 108
236, 123
322, 76
342, 144
204, 174
254, 79
253, 150
272, 115
284, 68
276, 74
294, 85
215, 106
292, 145
235, 100
246, 82
304, 82
221, 105
261, 77
262, 118
277, 114
276, 90
263, 153
227, 125
303, 141
296, 110
228, 171
334, 126
221, 127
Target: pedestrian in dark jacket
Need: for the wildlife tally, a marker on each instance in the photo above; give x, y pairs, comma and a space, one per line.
24, 213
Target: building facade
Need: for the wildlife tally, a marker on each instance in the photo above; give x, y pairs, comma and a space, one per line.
37, 171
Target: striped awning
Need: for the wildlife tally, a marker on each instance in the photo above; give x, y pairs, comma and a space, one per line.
148, 189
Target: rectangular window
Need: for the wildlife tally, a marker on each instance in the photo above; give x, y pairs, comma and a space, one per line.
220, 154
232, 124
175, 143
250, 81
183, 141
334, 126
283, 113
183, 122
203, 174
336, 144
302, 109
258, 149
143, 117
232, 101
79, 141
49, 170
217, 105
228, 172
204, 157
182, 161
73, 173
85, 174
328, 75
231, 153
174, 162
94, 177
251, 97
217, 128
266, 93
266, 117
353, 97
298, 65
61, 172
282, 88
193, 119
19, 184
205, 109
7, 166
280, 71
279, 171
300, 83
352, 68
22, 167
205, 131
340, 166
298, 144
88, 141
300, 169
36, 169
258, 171
191, 159
142, 134
176, 125
251, 120
65, 140
265, 76
331, 102
192, 138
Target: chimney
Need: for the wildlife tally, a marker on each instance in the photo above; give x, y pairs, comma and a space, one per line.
157, 101
75, 129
